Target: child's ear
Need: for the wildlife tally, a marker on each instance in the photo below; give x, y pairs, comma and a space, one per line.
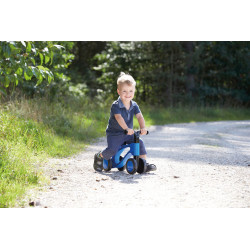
118, 91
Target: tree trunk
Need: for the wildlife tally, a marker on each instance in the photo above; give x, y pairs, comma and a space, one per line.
190, 83
170, 91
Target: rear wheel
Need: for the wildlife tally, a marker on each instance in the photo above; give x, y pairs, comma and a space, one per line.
142, 166
98, 163
123, 168
131, 166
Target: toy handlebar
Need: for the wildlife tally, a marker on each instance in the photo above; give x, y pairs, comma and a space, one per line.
135, 131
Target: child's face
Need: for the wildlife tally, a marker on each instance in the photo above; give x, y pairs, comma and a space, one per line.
126, 92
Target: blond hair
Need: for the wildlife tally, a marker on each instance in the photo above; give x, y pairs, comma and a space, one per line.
125, 78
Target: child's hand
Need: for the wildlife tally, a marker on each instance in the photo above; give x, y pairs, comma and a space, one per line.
143, 131
130, 131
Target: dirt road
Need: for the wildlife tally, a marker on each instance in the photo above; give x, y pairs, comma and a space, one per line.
199, 165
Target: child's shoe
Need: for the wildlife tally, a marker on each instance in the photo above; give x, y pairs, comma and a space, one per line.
98, 162
150, 167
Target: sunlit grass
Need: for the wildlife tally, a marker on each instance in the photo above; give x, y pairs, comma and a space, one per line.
33, 130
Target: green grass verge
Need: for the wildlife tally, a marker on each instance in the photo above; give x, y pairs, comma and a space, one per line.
33, 130
19, 142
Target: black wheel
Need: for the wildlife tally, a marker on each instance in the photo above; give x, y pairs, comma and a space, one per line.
131, 166
123, 168
142, 166
107, 165
98, 163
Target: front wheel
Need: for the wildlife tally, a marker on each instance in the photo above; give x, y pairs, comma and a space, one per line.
142, 168
131, 166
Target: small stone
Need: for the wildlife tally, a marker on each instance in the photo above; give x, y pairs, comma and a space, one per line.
32, 203
97, 180
59, 170
54, 178
38, 203
176, 177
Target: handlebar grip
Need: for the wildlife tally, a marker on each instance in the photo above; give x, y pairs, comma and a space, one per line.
126, 131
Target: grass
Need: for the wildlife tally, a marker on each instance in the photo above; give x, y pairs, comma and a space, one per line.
33, 130
19, 144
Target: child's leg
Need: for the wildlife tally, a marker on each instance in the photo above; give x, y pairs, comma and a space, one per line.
143, 152
150, 167
114, 143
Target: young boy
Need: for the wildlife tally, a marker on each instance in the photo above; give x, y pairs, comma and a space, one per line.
121, 118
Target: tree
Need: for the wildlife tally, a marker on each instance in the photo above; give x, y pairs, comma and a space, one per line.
22, 62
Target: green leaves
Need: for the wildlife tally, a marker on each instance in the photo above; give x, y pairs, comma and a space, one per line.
47, 58
51, 57
24, 61
44, 72
7, 82
3, 91
33, 60
19, 71
41, 57
26, 76
28, 48
40, 79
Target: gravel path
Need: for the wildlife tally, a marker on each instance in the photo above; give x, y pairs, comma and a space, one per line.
199, 165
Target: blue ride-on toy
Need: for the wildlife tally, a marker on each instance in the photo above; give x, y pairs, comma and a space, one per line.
130, 160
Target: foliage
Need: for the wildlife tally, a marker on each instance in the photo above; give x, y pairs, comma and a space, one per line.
83, 78
180, 73
28, 64
223, 73
167, 73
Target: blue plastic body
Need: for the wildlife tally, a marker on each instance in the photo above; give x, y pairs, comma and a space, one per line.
134, 150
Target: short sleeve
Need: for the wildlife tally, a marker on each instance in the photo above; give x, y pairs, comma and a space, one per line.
115, 109
137, 109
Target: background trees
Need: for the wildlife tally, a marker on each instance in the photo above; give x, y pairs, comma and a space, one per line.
167, 73
180, 73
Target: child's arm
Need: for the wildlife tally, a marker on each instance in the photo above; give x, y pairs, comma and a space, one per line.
141, 122
123, 124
